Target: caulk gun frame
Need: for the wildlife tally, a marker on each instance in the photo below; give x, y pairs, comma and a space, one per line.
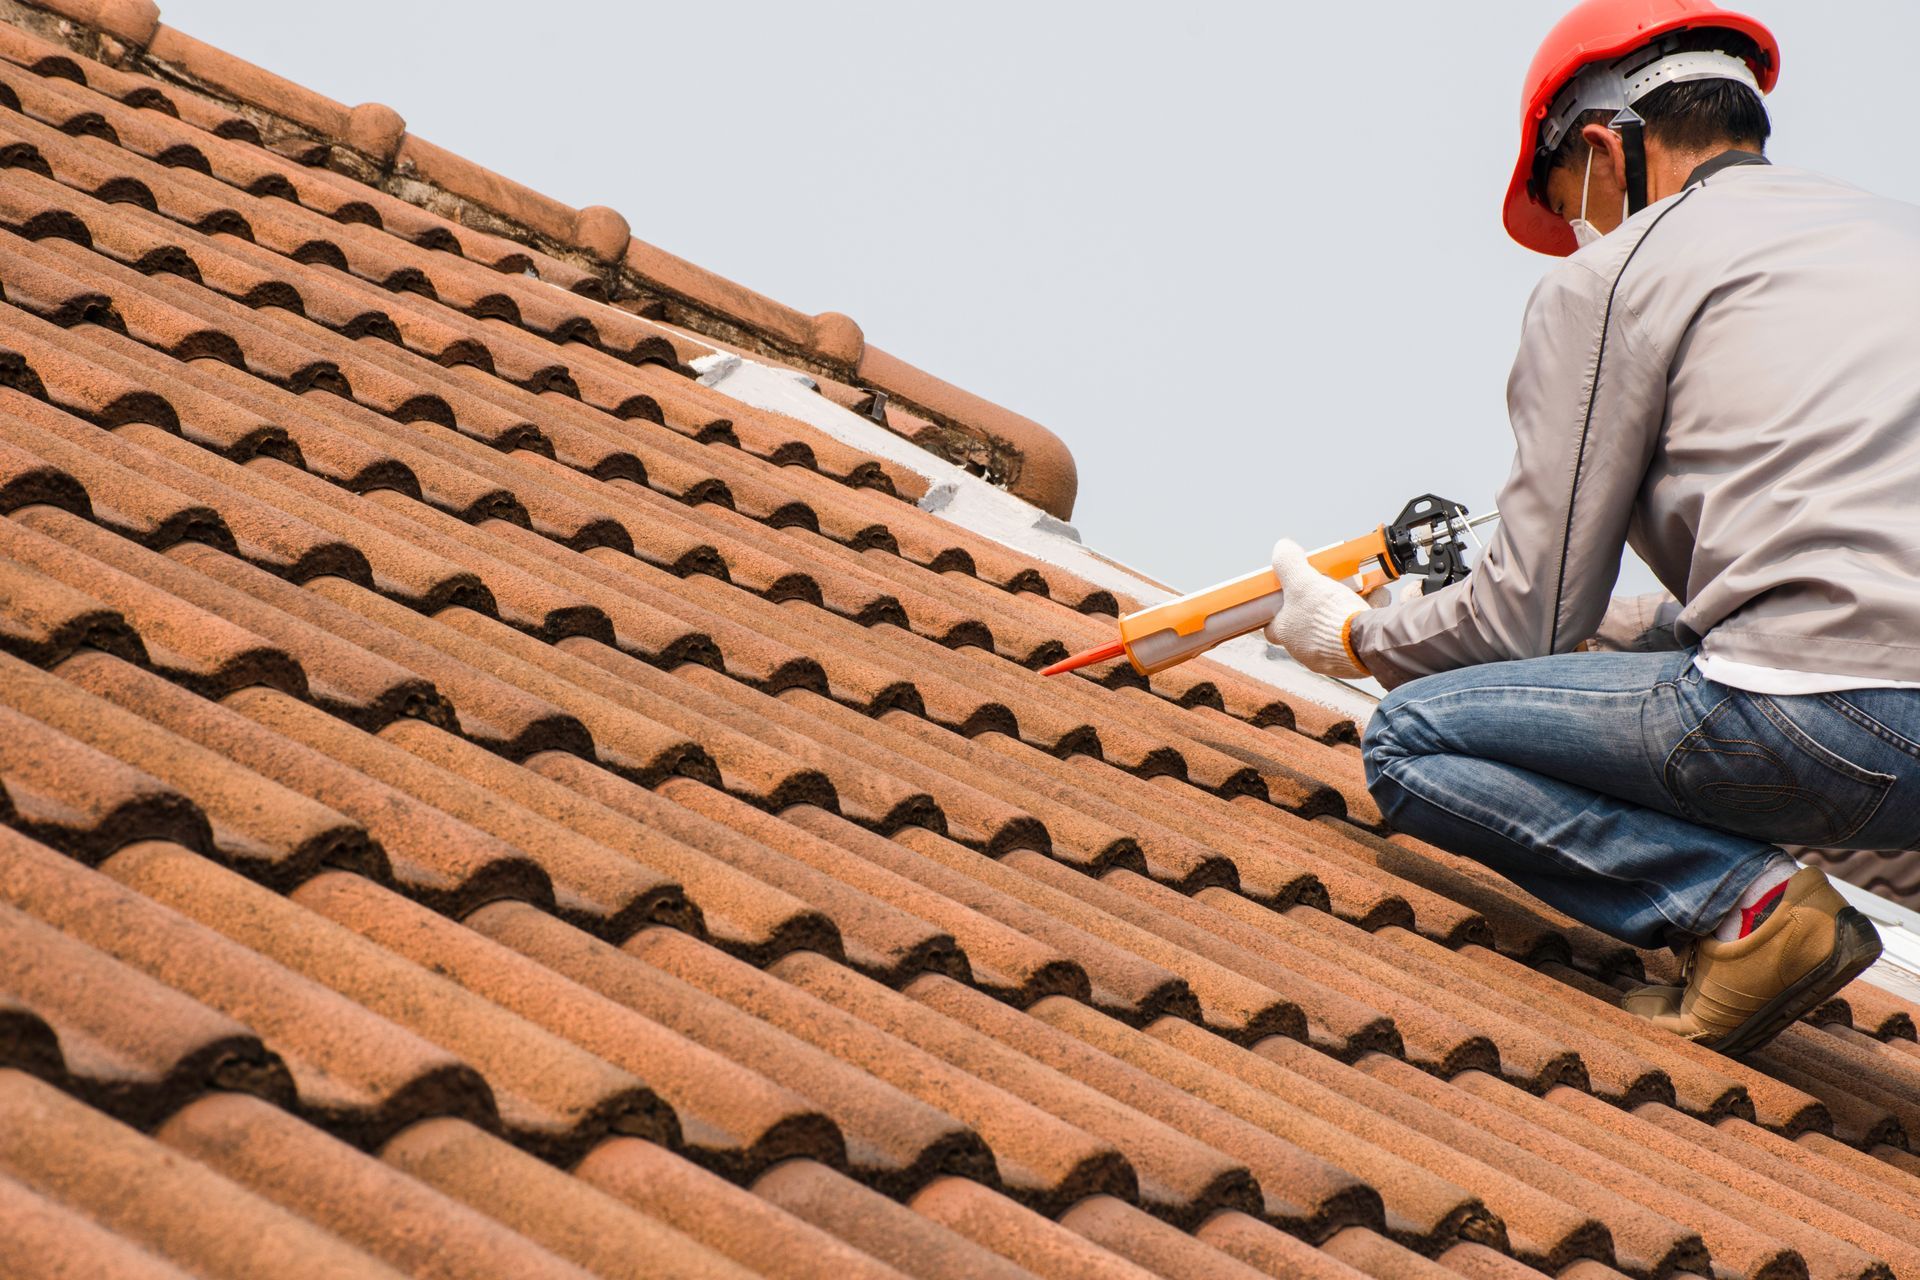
1425, 539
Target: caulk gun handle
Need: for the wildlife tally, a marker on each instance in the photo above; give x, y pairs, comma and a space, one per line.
1343, 559
1165, 634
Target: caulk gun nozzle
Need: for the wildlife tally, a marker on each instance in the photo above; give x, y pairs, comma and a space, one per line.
1114, 650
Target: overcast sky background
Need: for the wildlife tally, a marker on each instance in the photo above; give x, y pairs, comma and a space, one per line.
1246, 260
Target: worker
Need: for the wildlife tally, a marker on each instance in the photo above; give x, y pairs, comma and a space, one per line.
1723, 374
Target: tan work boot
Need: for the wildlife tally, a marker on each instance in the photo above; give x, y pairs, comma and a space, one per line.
1741, 994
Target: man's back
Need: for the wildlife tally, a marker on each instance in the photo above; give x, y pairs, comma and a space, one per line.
1780, 493
1730, 382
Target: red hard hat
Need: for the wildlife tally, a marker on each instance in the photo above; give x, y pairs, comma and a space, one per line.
1598, 31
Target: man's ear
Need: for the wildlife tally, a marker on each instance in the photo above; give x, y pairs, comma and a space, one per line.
1612, 157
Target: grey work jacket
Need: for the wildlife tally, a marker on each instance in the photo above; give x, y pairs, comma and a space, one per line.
1730, 384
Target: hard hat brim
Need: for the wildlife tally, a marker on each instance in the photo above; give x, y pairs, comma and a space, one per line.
1527, 219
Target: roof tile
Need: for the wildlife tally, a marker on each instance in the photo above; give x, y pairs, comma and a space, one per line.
891, 1139
121, 500
189, 645
129, 1045
1043, 1155
438, 857
879, 1227
733, 1118
1019, 1235
339, 677
561, 1214
751, 1231
552, 1096
68, 1152
277, 835
592, 884
352, 1070
625, 750
1418, 1205
45, 1237
404, 1223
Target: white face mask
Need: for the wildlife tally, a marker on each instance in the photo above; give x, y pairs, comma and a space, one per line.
1584, 232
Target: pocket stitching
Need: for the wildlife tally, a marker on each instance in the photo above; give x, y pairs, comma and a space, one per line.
1881, 783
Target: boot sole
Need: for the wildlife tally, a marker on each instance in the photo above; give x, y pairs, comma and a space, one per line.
1856, 945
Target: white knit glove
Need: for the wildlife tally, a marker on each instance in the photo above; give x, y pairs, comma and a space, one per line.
1313, 617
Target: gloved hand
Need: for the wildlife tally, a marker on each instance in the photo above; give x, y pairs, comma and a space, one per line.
1313, 618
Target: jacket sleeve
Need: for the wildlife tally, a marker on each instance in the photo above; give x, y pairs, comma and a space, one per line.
1587, 398
1637, 624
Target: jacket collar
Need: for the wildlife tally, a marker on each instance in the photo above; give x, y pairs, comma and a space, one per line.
1729, 159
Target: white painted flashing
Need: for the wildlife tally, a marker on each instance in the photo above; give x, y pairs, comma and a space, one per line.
1898, 968
992, 512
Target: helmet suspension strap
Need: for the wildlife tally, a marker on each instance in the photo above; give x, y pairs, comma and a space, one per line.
1633, 141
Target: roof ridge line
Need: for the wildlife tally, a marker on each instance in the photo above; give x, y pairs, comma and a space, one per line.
371, 144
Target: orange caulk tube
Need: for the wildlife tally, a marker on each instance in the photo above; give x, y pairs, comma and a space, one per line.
1166, 634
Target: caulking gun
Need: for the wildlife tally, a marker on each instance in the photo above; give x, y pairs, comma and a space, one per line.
1428, 537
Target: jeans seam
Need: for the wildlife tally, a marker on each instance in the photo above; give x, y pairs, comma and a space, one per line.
1871, 724
1578, 868
1807, 742
1670, 764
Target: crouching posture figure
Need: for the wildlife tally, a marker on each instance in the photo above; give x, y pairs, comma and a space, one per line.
1724, 374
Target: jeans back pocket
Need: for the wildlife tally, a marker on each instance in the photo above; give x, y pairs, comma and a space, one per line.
1750, 769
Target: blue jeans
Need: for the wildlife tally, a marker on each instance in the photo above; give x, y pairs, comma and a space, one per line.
1633, 794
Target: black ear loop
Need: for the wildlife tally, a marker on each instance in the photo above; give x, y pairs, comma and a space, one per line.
1633, 141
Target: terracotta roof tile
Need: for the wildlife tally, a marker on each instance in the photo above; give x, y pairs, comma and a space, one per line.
1123, 1230
1123, 965
552, 1095
352, 1070
277, 835
747, 916
591, 883
46, 1238
191, 646
72, 1154
1790, 1177
1419, 1205
752, 1231
1274, 1253
1003, 957
1041, 1155
1733, 1226
339, 677
127, 1044
890, 1138
1019, 1235
879, 1227
122, 500
734, 1118
1296, 1188
83, 801
351, 1195
496, 738
562, 1214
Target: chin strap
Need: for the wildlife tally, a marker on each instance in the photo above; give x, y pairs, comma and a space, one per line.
1633, 140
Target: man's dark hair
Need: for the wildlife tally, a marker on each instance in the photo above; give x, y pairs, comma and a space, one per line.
1691, 116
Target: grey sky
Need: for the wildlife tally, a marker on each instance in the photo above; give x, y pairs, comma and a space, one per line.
1245, 259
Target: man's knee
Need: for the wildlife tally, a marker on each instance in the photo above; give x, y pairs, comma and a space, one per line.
1395, 734
1384, 739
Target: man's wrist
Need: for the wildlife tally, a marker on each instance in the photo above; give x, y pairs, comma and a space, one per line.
1346, 642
